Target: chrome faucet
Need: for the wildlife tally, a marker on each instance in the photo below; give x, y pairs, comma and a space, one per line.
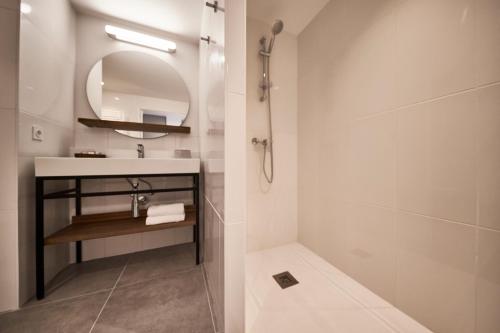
137, 199
140, 151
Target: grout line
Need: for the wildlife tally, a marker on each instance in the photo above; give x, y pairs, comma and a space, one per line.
158, 277
107, 299
214, 209
205, 283
397, 209
63, 299
430, 100
448, 221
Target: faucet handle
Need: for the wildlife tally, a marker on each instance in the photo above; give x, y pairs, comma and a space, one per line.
140, 150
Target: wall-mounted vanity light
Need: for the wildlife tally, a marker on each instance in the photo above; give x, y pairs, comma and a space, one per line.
140, 39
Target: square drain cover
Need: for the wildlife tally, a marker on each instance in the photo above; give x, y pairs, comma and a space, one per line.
285, 280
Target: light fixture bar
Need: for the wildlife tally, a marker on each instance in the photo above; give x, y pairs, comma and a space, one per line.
140, 39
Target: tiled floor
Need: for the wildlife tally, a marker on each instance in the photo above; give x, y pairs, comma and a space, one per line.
160, 290
325, 300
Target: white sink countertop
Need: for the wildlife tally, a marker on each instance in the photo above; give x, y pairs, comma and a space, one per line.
71, 166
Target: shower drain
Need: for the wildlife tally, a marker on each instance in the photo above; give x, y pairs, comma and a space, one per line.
285, 280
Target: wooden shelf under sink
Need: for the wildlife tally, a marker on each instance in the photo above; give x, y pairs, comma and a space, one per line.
95, 226
131, 126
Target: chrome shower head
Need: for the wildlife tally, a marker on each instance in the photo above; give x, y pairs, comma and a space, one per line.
276, 29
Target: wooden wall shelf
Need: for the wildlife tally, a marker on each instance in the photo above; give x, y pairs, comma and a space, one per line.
130, 126
95, 226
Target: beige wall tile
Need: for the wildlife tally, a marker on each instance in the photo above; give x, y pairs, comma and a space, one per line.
488, 282
8, 167
333, 235
9, 256
435, 282
436, 153
234, 276
401, 80
10, 4
488, 147
374, 159
9, 35
272, 209
9, 279
487, 44
435, 43
373, 249
235, 162
235, 39
123, 244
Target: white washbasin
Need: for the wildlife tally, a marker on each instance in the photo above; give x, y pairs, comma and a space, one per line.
70, 166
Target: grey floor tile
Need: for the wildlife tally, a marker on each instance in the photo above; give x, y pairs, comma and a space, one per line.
152, 264
74, 316
177, 303
81, 279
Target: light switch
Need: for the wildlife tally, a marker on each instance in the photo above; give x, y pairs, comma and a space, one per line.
37, 133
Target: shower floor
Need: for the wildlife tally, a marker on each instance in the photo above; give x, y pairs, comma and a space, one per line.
325, 300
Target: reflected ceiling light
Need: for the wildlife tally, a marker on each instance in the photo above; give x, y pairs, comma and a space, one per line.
140, 39
25, 8
102, 83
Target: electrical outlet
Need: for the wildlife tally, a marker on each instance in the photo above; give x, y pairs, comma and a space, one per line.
37, 133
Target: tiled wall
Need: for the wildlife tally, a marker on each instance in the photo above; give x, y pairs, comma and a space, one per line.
399, 153
223, 151
92, 45
235, 196
212, 120
9, 46
272, 209
46, 76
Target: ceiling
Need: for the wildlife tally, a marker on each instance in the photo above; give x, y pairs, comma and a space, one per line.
296, 14
181, 17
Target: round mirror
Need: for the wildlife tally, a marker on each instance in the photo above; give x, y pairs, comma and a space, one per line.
137, 87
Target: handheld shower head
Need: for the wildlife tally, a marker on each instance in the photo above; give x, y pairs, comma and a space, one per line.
276, 29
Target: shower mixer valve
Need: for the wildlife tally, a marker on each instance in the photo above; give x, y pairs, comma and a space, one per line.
256, 141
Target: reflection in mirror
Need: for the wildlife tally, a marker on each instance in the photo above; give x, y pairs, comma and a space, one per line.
137, 87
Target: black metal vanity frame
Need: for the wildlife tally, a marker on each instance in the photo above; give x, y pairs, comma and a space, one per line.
77, 194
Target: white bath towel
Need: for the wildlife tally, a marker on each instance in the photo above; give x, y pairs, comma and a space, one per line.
153, 220
164, 210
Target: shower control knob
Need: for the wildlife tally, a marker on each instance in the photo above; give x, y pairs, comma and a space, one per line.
256, 141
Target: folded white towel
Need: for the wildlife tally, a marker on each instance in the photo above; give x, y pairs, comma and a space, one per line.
163, 210
153, 220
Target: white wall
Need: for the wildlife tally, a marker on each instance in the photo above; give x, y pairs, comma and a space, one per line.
212, 153
399, 153
92, 45
223, 142
47, 66
235, 196
9, 46
272, 208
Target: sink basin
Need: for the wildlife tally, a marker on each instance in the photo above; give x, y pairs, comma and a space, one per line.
70, 166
